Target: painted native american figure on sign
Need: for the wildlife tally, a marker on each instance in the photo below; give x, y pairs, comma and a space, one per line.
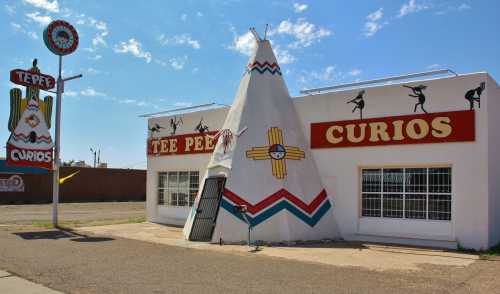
359, 103
30, 143
418, 92
471, 95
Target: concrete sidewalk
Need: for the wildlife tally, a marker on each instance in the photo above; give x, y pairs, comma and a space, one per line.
10, 284
376, 257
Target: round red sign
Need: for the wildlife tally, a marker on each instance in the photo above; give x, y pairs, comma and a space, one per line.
60, 37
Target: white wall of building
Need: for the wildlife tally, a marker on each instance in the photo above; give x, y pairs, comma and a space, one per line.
494, 160
193, 162
475, 167
339, 167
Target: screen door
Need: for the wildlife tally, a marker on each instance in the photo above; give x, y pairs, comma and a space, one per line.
208, 208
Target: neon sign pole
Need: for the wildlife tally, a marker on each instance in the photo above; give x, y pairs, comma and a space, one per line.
61, 39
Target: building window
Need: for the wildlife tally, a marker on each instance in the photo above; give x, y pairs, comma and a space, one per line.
177, 188
410, 193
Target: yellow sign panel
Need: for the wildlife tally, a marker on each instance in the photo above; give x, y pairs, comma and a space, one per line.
277, 152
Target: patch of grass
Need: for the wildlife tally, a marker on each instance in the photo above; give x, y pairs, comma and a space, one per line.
462, 249
493, 251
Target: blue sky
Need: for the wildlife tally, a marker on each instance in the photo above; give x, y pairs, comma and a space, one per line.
157, 55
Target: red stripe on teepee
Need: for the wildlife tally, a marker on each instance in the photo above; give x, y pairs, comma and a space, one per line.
253, 209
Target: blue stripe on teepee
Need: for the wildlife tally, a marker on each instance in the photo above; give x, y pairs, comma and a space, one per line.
268, 213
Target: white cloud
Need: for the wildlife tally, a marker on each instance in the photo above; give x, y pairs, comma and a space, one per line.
376, 15
464, 6
304, 32
373, 25
371, 28
178, 63
434, 66
183, 104
20, 29
411, 7
100, 26
90, 92
354, 72
96, 57
184, 17
11, 9
297, 7
454, 8
283, 56
133, 47
92, 71
199, 14
70, 93
128, 101
324, 75
243, 43
42, 20
184, 39
51, 6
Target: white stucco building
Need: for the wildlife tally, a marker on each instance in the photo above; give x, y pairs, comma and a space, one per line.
413, 178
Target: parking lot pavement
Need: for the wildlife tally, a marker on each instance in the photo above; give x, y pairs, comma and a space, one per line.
76, 262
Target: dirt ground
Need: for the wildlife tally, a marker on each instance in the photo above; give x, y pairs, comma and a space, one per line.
72, 213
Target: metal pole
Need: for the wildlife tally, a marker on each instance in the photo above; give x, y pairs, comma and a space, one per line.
55, 186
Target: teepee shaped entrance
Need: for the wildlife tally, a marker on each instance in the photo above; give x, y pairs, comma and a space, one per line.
208, 208
271, 183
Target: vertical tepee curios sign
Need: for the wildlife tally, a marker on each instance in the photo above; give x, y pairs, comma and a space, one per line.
30, 143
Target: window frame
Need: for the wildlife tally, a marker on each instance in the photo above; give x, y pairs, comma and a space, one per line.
164, 189
381, 192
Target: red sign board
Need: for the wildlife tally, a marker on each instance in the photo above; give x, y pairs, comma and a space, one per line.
29, 157
32, 79
441, 127
182, 144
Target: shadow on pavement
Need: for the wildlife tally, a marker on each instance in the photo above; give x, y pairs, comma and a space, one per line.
44, 235
61, 233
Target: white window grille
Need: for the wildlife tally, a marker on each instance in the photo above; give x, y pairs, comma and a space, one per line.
409, 193
177, 188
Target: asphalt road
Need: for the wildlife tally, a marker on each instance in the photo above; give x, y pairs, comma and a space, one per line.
86, 264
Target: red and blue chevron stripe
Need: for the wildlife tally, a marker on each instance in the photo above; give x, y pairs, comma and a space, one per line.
310, 213
272, 68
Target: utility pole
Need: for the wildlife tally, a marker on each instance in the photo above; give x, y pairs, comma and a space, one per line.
94, 153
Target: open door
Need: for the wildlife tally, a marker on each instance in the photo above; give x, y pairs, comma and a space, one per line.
208, 208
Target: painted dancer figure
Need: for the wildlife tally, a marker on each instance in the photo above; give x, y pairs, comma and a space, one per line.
360, 103
201, 127
469, 96
174, 123
418, 93
156, 128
